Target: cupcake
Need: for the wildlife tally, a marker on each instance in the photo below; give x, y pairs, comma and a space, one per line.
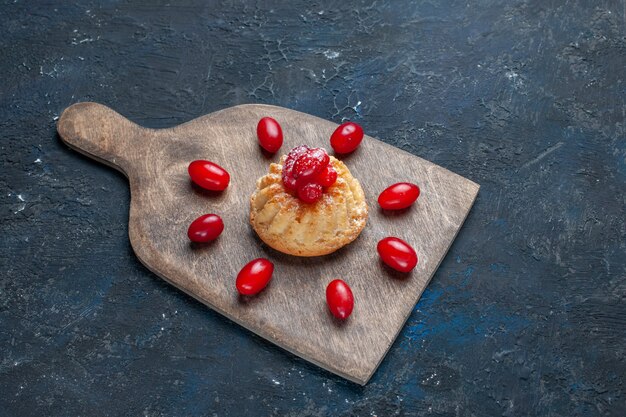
308, 204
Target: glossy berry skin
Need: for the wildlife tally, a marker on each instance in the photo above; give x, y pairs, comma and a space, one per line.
327, 177
254, 276
270, 134
205, 228
311, 164
398, 196
397, 254
346, 138
289, 180
310, 193
339, 299
208, 175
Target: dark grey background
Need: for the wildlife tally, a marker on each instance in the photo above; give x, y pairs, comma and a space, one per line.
527, 314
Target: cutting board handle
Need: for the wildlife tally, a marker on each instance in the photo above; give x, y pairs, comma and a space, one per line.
101, 133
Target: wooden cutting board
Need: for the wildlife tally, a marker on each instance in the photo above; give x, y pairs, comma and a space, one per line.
292, 311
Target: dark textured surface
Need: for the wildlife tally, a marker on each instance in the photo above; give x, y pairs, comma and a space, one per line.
527, 314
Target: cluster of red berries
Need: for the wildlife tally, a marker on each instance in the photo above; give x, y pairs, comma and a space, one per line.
306, 172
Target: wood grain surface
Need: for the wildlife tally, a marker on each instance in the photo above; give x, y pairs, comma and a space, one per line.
291, 312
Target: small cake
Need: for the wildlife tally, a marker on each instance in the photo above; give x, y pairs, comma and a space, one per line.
308, 204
